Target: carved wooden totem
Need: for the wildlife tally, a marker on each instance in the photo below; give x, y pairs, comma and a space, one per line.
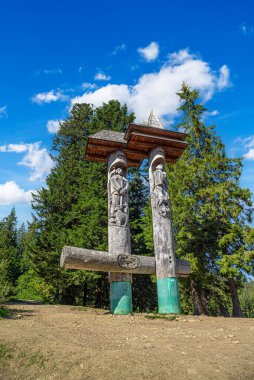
118, 231
139, 142
167, 284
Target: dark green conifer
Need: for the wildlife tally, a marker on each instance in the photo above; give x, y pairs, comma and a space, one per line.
210, 212
9, 255
72, 209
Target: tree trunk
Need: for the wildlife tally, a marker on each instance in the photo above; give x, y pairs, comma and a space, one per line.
199, 300
84, 293
67, 297
237, 312
223, 310
98, 292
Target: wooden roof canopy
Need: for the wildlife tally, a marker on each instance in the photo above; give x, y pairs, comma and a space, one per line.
136, 143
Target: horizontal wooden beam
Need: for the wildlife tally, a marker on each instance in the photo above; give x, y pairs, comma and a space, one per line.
146, 147
98, 158
108, 149
164, 141
100, 261
153, 131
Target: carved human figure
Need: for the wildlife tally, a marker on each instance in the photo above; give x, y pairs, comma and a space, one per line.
118, 193
160, 191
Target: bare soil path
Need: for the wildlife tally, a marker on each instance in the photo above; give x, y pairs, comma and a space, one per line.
47, 342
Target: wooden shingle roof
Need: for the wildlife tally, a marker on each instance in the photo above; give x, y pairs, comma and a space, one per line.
136, 143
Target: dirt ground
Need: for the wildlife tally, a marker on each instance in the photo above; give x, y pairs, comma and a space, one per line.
47, 342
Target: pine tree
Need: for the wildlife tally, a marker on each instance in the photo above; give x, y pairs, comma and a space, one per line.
247, 299
9, 255
72, 209
210, 212
144, 288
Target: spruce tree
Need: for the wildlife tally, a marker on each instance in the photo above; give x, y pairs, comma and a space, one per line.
9, 255
144, 288
72, 208
247, 299
210, 213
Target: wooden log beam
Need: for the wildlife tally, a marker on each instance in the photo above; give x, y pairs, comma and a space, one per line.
88, 259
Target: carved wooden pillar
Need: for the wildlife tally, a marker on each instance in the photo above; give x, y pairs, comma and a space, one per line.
167, 282
118, 231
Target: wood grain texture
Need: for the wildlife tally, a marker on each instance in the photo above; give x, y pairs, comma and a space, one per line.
161, 213
88, 259
118, 236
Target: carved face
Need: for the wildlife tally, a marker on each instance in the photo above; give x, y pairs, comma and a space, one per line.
159, 167
119, 171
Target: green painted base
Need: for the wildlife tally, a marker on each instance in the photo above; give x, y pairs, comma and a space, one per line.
120, 297
168, 296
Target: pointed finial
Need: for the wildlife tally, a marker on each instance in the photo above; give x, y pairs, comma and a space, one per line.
153, 121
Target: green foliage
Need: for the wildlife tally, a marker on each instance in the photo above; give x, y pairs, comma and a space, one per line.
161, 316
5, 352
37, 359
72, 210
210, 211
4, 312
210, 214
9, 255
32, 287
247, 299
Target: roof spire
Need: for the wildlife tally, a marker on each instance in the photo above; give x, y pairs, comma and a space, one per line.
153, 121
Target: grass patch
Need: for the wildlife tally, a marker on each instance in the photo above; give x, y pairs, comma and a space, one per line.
22, 355
37, 359
4, 312
161, 316
23, 358
5, 352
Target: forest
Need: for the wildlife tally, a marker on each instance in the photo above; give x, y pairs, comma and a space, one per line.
211, 213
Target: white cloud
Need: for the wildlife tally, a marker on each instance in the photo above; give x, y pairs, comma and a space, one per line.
212, 113
90, 86
56, 70
246, 29
16, 148
248, 144
248, 141
157, 90
118, 49
223, 80
53, 126
180, 57
3, 111
150, 52
101, 76
53, 71
249, 155
104, 94
134, 67
37, 159
49, 97
11, 193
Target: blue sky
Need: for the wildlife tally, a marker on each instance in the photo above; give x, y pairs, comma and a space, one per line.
54, 53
